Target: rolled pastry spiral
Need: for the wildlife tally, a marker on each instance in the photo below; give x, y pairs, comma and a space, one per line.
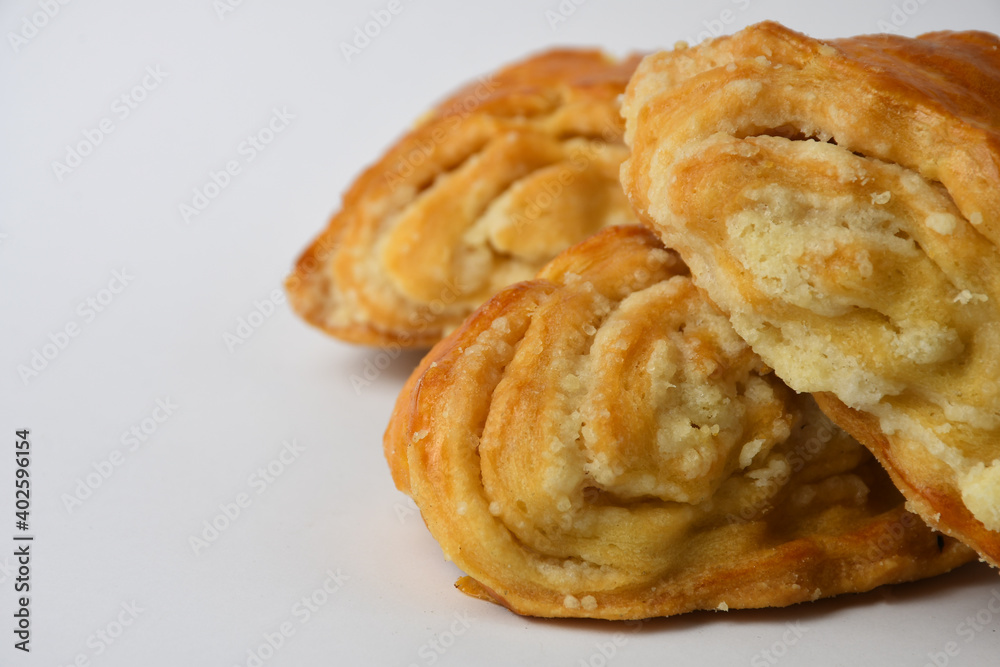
840, 201
480, 194
600, 443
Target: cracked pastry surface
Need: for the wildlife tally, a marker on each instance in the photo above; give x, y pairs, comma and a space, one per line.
484, 190
600, 443
840, 201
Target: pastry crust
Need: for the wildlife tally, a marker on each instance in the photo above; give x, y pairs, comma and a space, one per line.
840, 201
480, 194
600, 443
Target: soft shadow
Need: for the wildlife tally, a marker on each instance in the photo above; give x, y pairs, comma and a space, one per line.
370, 365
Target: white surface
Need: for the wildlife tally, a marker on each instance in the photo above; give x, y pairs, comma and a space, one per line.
333, 508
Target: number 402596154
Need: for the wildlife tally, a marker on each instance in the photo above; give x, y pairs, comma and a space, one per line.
22, 480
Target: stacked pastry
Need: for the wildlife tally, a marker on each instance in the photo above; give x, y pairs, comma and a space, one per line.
608, 439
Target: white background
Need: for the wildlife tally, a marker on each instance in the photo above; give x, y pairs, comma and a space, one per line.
333, 507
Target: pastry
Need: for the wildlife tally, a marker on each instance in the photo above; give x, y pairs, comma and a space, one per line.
480, 194
599, 442
840, 201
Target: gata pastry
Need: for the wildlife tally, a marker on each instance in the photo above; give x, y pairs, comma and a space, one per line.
600, 443
480, 194
840, 201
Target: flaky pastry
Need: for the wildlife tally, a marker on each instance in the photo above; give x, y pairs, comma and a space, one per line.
840, 201
480, 194
600, 443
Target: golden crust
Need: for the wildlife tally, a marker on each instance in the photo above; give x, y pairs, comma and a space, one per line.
481, 193
600, 443
908, 470
841, 202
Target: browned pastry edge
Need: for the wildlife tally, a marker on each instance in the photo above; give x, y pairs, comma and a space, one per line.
953, 518
318, 253
521, 89
832, 567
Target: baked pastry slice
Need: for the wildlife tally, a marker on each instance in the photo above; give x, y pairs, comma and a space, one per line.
600, 443
480, 194
841, 202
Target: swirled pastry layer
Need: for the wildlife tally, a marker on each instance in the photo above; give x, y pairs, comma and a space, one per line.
840, 201
480, 194
600, 443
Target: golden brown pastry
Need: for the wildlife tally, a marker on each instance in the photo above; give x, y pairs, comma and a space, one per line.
600, 443
480, 194
841, 202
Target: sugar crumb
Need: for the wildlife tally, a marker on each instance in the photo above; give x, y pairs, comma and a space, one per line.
942, 223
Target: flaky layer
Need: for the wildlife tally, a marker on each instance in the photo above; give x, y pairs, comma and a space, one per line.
480, 194
841, 202
600, 443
